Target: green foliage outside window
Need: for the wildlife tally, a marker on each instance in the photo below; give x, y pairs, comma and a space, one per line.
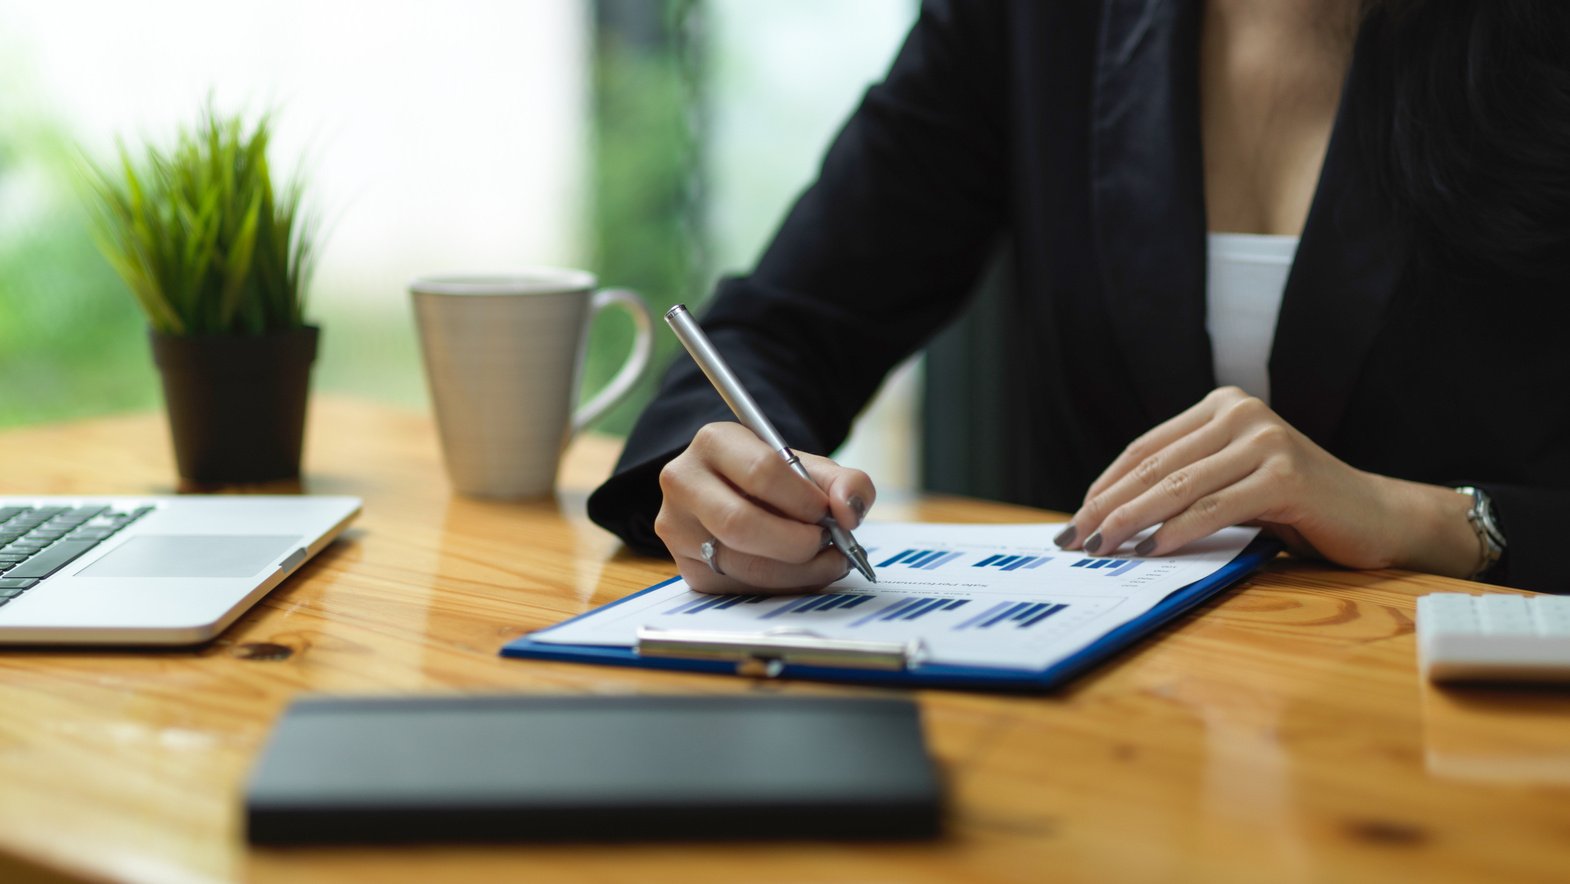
74, 343
71, 343
646, 185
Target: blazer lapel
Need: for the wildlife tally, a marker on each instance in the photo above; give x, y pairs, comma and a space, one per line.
1148, 203
1343, 278
1147, 193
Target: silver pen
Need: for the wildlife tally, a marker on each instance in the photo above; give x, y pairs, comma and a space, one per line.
752, 417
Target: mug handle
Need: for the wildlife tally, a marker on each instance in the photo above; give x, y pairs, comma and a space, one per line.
637, 362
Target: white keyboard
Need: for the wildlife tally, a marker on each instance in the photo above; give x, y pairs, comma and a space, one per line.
1494, 637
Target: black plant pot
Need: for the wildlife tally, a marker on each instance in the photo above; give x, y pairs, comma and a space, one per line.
236, 403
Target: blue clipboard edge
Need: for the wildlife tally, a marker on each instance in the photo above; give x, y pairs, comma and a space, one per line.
1054, 677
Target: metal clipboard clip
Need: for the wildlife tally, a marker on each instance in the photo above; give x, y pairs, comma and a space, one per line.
765, 654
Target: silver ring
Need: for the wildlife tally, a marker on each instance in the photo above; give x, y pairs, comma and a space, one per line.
708, 550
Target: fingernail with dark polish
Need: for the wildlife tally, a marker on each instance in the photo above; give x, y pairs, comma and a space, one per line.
859, 507
1066, 536
1145, 547
1093, 543
828, 539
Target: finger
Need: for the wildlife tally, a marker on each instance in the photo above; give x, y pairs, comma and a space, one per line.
746, 573
851, 492
1164, 434
700, 505
1170, 470
684, 536
744, 526
1179, 492
1233, 505
758, 471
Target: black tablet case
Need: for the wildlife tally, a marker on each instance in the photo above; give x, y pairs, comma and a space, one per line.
502, 768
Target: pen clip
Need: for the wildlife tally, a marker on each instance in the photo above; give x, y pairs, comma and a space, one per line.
766, 654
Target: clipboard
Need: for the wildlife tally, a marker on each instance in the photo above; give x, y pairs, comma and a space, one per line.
890, 664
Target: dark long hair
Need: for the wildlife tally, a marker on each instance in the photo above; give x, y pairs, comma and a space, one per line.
1468, 129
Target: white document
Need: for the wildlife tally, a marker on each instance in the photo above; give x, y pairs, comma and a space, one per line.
1001, 596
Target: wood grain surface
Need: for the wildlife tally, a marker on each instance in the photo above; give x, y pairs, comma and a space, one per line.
1280, 733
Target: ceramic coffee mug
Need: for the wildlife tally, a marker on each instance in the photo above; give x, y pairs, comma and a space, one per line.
503, 357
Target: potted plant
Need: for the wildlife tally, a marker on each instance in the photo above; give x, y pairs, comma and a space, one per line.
219, 261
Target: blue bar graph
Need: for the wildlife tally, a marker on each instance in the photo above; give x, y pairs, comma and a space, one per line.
925, 559
941, 561
916, 610
911, 609
811, 604
984, 615
828, 602
1005, 614
1029, 611
1027, 562
886, 612
1042, 615
1012, 563
1112, 567
1023, 615
716, 602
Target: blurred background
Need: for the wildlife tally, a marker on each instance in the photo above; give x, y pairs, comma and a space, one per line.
654, 142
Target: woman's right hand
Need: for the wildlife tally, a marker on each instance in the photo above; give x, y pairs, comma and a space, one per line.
729, 487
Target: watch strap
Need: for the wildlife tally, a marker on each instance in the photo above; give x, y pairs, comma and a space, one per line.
1490, 540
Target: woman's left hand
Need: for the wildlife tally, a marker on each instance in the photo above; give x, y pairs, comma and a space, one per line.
1230, 460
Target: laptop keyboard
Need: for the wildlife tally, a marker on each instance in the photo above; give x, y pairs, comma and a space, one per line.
38, 541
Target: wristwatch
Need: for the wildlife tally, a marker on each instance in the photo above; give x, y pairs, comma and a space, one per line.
1490, 540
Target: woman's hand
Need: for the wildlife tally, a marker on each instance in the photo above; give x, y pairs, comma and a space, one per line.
1230, 460
730, 488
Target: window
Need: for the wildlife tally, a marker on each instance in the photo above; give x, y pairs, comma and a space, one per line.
657, 143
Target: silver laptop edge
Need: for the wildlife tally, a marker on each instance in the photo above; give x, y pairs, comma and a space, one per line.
178, 575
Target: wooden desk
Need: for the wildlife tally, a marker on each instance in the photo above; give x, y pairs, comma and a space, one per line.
1280, 734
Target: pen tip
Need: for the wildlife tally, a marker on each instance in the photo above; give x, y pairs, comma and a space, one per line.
865, 567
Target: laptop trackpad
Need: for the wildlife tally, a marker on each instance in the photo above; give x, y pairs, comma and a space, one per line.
192, 555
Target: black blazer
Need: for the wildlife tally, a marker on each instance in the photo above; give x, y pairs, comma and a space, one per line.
1073, 128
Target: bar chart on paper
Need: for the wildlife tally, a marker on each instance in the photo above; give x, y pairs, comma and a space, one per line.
873, 614
1107, 567
879, 613
986, 595
1012, 563
923, 559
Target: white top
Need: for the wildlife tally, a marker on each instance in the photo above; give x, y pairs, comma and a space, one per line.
1246, 279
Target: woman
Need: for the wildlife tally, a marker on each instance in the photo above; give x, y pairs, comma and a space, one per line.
1388, 334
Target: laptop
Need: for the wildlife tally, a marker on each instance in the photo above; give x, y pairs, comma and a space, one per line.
150, 570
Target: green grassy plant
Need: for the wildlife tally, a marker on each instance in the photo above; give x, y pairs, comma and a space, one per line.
199, 235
